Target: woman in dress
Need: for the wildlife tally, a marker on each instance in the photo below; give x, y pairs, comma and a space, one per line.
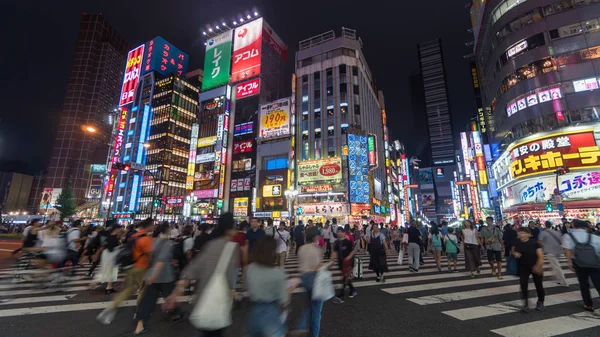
435, 242
471, 239
379, 250
109, 271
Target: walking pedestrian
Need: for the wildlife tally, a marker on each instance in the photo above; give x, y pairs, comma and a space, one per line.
267, 290
379, 251
309, 262
509, 238
552, 246
254, 233
471, 243
326, 234
299, 235
444, 232
580, 247
451, 249
73, 236
134, 279
397, 237
492, 236
435, 242
109, 270
344, 253
160, 280
414, 247
531, 262
424, 241
204, 265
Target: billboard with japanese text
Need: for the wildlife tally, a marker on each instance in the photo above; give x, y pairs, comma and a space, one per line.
165, 58
320, 170
247, 51
358, 168
575, 150
275, 119
217, 61
248, 88
116, 154
132, 75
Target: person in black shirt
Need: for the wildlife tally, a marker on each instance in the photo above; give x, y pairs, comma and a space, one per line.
531, 262
299, 235
414, 247
509, 238
343, 251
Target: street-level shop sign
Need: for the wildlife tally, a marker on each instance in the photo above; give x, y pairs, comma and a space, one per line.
316, 188
330, 208
575, 150
320, 170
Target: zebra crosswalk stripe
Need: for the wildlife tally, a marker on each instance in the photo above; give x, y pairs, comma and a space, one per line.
551, 327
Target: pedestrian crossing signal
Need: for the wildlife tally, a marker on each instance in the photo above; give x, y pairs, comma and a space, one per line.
549, 206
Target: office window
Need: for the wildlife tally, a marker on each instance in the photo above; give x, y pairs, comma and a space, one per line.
343, 88
330, 111
318, 113
317, 94
304, 135
305, 115
354, 71
330, 91
318, 133
330, 131
342, 69
357, 109
275, 163
356, 91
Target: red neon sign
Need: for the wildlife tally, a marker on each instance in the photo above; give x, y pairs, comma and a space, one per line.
132, 75
116, 154
247, 89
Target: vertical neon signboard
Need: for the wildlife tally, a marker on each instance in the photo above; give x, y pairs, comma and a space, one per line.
132, 75
189, 181
116, 155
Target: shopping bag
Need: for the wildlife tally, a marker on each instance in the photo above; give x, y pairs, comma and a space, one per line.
511, 266
400, 256
323, 286
213, 308
357, 270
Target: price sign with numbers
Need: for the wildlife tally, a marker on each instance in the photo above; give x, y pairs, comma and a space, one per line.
275, 119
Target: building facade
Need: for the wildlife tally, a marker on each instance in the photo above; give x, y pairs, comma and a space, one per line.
339, 148
92, 93
538, 63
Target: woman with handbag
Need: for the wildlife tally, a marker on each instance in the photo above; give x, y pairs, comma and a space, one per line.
471, 240
266, 284
215, 272
379, 252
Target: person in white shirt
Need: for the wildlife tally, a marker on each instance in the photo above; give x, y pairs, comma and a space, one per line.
174, 234
326, 233
282, 237
73, 238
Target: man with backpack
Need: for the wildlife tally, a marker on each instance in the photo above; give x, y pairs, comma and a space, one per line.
72, 237
583, 255
140, 249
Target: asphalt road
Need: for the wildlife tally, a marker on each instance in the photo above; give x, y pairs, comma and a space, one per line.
429, 303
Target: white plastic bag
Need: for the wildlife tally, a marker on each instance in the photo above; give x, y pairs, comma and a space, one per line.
213, 309
401, 256
323, 286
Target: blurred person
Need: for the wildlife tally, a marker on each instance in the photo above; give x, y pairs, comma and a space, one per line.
202, 238
254, 233
326, 234
240, 239
204, 265
174, 233
424, 242
451, 249
183, 248
282, 238
414, 247
444, 232
134, 279
509, 238
471, 242
580, 246
397, 238
267, 290
535, 231
73, 236
299, 235
492, 236
531, 262
343, 252
159, 278
551, 242
435, 242
379, 252
109, 270
309, 262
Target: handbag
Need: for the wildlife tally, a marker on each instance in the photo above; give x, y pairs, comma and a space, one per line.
213, 309
323, 286
511, 265
400, 257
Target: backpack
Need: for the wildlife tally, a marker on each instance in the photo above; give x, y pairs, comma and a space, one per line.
199, 242
178, 253
125, 256
585, 254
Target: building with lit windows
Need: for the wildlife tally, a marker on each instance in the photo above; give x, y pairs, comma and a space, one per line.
340, 157
92, 94
538, 63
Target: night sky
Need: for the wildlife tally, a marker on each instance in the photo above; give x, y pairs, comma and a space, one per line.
41, 42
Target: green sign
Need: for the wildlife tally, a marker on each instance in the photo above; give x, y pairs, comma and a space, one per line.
217, 61
371, 142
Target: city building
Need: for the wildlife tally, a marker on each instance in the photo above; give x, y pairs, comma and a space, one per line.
538, 66
340, 156
152, 135
439, 122
92, 93
228, 163
14, 192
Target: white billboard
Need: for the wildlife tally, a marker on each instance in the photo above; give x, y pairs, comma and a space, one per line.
275, 119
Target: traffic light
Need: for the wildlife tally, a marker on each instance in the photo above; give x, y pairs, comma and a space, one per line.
121, 167
549, 206
562, 171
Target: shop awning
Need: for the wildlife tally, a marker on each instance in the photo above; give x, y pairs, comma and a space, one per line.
593, 203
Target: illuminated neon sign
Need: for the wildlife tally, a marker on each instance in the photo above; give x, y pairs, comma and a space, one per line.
132, 75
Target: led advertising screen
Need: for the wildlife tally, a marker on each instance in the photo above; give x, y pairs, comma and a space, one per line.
165, 58
116, 154
372, 147
217, 61
275, 119
358, 168
575, 150
132, 75
49, 197
247, 50
243, 129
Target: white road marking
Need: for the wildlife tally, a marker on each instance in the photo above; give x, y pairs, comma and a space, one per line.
551, 327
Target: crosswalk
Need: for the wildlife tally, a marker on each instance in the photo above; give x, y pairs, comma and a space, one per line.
451, 294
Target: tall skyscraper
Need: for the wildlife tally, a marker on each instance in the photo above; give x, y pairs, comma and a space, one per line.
439, 123
340, 136
92, 92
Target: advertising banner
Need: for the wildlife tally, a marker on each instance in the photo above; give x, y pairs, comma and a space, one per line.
274, 41
248, 88
247, 51
217, 61
320, 170
243, 129
98, 168
275, 119
49, 197
372, 148
329, 208
165, 58
132, 75
242, 147
94, 192
205, 158
271, 191
207, 141
116, 154
358, 168
426, 178
206, 194
316, 188
240, 206
575, 150
428, 199
173, 200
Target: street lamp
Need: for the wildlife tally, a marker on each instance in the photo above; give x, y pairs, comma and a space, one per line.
290, 195
147, 145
